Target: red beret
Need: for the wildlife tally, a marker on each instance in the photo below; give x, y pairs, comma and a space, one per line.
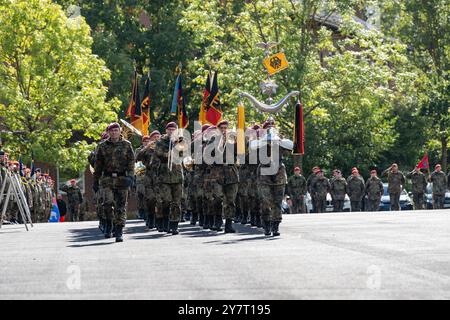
113, 125
145, 138
373, 171
72, 180
223, 122
154, 132
437, 166
296, 169
171, 125
205, 126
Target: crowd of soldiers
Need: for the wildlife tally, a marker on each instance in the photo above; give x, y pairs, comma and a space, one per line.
362, 192
168, 192
36, 186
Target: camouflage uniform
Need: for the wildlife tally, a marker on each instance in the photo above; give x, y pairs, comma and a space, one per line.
374, 190
114, 171
320, 189
395, 183
338, 189
309, 182
74, 199
296, 189
98, 195
151, 164
169, 185
243, 205
254, 199
140, 190
355, 191
439, 181
419, 186
271, 192
220, 186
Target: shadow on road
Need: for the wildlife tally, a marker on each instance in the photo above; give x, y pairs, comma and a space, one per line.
92, 244
85, 235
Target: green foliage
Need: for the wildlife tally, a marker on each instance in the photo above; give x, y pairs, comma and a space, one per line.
52, 86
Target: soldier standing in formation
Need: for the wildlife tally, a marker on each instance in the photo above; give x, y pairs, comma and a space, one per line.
419, 186
311, 179
296, 189
396, 181
320, 189
114, 171
140, 183
338, 190
439, 181
374, 190
74, 199
169, 180
355, 189
145, 155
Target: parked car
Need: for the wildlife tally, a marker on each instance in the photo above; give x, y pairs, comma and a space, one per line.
405, 200
329, 205
429, 198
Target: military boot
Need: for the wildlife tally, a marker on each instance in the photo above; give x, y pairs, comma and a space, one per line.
119, 237
253, 219
174, 227
206, 219
229, 226
159, 224
244, 218
166, 224
108, 228
275, 225
218, 223
151, 221
267, 227
194, 218
258, 221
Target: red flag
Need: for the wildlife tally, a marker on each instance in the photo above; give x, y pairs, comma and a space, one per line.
134, 112
424, 163
214, 112
299, 130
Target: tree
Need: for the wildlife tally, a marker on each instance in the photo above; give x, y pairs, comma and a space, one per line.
52, 92
424, 27
350, 76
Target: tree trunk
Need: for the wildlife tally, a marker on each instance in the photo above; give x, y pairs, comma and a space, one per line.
444, 153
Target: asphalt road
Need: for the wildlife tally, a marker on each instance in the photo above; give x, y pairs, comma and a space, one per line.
402, 255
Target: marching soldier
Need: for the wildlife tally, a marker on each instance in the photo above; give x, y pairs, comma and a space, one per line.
439, 181
145, 155
296, 189
419, 186
311, 179
272, 186
114, 171
169, 181
396, 181
320, 189
140, 184
254, 199
355, 189
74, 198
374, 190
338, 190
198, 177
221, 179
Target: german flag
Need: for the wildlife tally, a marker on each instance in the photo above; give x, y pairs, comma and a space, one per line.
145, 106
214, 111
134, 112
179, 105
204, 105
299, 130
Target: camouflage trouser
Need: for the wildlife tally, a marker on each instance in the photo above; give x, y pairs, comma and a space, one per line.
140, 192
271, 200
298, 204
115, 204
98, 204
254, 199
151, 201
320, 204
356, 205
419, 201
438, 201
220, 198
243, 197
373, 205
74, 211
169, 198
338, 205
395, 201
